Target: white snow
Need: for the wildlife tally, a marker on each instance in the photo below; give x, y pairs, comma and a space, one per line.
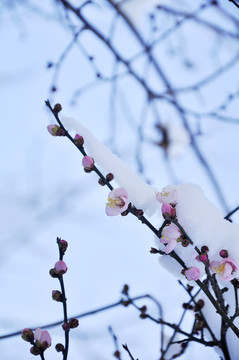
140, 194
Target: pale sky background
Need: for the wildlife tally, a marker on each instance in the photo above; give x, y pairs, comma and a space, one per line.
45, 193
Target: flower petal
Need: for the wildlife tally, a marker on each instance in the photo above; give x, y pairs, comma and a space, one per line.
118, 193
171, 245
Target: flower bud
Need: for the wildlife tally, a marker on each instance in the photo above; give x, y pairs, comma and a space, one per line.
168, 211
59, 347
53, 129
53, 273
143, 309
78, 140
193, 273
204, 249
57, 108
185, 242
139, 213
35, 350
200, 304
57, 295
101, 182
88, 163
66, 327
73, 323
27, 335
56, 130
203, 258
60, 267
63, 245
109, 177
117, 354
143, 315
125, 289
42, 339
224, 253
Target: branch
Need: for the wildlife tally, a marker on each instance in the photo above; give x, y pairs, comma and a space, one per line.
78, 316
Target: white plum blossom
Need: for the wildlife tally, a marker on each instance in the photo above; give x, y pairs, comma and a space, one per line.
167, 195
117, 202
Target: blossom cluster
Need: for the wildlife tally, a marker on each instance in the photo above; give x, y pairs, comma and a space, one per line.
171, 235
41, 340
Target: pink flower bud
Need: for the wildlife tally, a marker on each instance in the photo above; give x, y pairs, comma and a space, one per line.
56, 130
60, 267
27, 335
193, 273
224, 253
42, 339
78, 139
53, 129
88, 162
63, 245
168, 210
203, 257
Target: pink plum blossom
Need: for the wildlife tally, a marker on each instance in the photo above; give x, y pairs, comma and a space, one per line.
88, 162
202, 257
167, 195
42, 338
193, 273
225, 269
53, 129
171, 235
60, 267
168, 210
117, 202
78, 139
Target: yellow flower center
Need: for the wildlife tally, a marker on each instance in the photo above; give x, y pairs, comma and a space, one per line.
219, 269
118, 202
165, 193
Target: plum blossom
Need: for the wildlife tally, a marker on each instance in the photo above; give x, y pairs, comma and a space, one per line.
42, 338
171, 235
202, 257
167, 195
53, 129
168, 210
88, 162
56, 130
225, 269
78, 140
117, 202
193, 273
60, 267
